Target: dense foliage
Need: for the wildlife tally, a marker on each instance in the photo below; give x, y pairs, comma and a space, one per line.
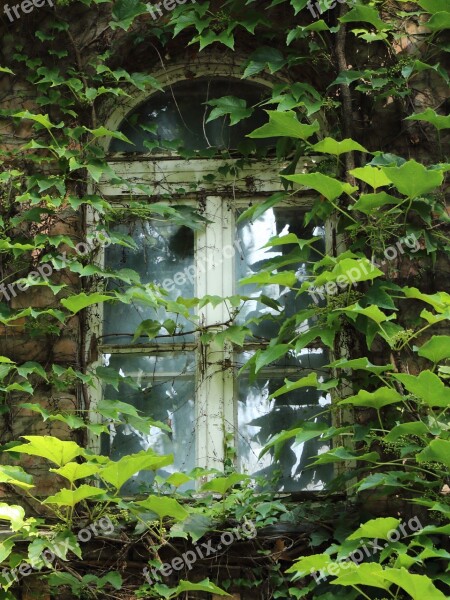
386, 333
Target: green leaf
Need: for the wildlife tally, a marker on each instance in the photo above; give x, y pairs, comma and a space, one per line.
220, 485
413, 179
287, 278
376, 528
439, 21
416, 428
117, 473
164, 506
381, 397
430, 116
285, 124
427, 386
51, 448
235, 334
81, 301
433, 6
229, 105
308, 381
371, 312
73, 471
308, 564
327, 186
71, 497
368, 203
437, 451
436, 349
6, 70
14, 514
362, 364
41, 119
365, 14
417, 586
16, 476
371, 175
125, 11
370, 574
341, 454
269, 355
307, 431
331, 146
203, 586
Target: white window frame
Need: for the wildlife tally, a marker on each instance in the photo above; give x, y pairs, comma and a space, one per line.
215, 401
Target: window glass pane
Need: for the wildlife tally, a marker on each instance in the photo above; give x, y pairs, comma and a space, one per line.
252, 258
180, 115
166, 393
259, 418
163, 252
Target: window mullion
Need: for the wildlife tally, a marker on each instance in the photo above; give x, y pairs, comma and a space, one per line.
214, 264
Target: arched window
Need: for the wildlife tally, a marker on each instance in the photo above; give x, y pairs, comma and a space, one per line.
183, 377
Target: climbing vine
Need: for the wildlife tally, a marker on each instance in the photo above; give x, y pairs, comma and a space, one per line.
361, 94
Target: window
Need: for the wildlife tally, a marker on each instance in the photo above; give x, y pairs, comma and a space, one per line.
183, 377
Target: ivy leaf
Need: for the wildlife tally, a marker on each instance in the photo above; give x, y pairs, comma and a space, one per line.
51, 448
16, 476
375, 528
125, 11
436, 451
164, 507
235, 334
362, 364
71, 497
368, 203
365, 14
220, 485
433, 6
439, 21
262, 58
371, 175
307, 431
229, 105
284, 124
41, 119
430, 116
427, 386
381, 397
413, 179
117, 473
417, 586
203, 586
331, 146
81, 301
6, 70
436, 349
74, 471
327, 186
271, 354
14, 514
414, 428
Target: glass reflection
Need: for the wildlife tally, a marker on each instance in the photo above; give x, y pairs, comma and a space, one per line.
177, 118
166, 394
254, 258
164, 255
259, 418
